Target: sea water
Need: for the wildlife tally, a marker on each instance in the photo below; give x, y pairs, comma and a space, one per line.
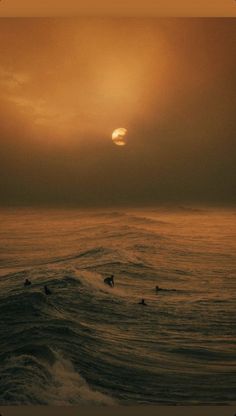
88, 343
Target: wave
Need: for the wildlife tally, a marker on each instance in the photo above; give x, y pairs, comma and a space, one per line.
113, 214
191, 210
136, 219
39, 375
70, 387
204, 354
32, 371
94, 252
88, 342
94, 282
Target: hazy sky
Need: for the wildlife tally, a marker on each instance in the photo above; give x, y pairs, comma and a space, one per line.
66, 84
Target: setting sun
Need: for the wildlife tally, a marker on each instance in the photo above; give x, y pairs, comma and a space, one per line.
119, 136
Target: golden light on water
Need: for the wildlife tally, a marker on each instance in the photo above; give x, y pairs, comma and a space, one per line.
119, 136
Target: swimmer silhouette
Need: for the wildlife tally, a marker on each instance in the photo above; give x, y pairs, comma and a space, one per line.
27, 282
142, 302
47, 291
164, 290
109, 281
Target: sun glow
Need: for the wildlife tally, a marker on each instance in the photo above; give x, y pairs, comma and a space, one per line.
119, 136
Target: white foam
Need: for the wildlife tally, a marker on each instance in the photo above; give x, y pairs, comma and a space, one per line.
69, 387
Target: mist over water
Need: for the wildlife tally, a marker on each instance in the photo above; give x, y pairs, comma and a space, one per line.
88, 343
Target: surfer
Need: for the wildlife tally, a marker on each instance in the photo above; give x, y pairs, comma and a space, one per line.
27, 282
109, 281
47, 291
165, 290
142, 302
159, 288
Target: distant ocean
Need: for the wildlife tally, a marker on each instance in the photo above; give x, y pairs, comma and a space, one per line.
87, 343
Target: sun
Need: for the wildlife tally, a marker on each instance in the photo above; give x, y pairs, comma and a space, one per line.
119, 136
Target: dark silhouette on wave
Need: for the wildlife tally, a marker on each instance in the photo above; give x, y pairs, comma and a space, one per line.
142, 302
47, 291
109, 281
158, 289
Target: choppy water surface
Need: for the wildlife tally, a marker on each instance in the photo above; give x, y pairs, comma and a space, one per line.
88, 343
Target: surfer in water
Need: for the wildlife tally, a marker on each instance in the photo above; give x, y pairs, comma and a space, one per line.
142, 302
165, 290
158, 288
109, 281
47, 291
27, 282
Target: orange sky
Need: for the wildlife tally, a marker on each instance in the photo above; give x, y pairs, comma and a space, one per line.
66, 84
86, 76
141, 8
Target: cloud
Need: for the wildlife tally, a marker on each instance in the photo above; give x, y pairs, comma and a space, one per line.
11, 81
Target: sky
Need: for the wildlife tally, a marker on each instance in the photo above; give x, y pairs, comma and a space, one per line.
67, 84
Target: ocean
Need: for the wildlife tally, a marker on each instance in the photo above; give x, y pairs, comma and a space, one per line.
91, 344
